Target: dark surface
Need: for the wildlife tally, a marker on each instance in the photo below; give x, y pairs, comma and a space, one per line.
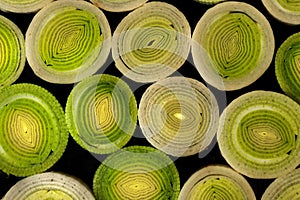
83, 164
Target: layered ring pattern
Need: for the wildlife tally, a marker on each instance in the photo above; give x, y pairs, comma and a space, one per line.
118, 6
24, 6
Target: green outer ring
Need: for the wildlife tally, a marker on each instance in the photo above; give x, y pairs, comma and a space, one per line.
260, 165
91, 84
203, 61
217, 172
284, 187
95, 61
118, 6
17, 7
289, 84
147, 156
51, 181
20, 66
43, 97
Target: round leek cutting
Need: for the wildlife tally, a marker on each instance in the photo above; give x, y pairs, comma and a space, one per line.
12, 52
287, 11
209, 2
179, 116
33, 132
137, 172
101, 113
258, 134
151, 42
49, 185
287, 66
233, 45
216, 182
284, 187
24, 6
118, 6
67, 41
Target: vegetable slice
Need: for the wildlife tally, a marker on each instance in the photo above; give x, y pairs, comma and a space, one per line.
284, 187
151, 42
287, 66
101, 113
118, 6
33, 132
216, 182
49, 185
24, 6
179, 116
258, 134
137, 172
12, 52
67, 41
284, 10
233, 45
209, 2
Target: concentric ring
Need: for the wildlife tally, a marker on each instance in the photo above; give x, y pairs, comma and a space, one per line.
137, 172
151, 42
24, 6
216, 182
258, 134
33, 132
179, 116
287, 66
12, 52
118, 6
49, 185
67, 41
101, 113
233, 45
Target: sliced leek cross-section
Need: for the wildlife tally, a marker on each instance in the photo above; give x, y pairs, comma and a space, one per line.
101, 113
137, 172
284, 187
118, 6
287, 66
12, 52
24, 6
67, 41
151, 42
209, 2
179, 116
33, 132
259, 134
233, 45
49, 185
216, 182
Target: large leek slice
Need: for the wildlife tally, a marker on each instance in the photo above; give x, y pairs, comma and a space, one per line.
233, 45
179, 116
287, 66
67, 41
12, 52
137, 172
151, 42
33, 132
118, 6
258, 134
24, 6
216, 182
49, 185
101, 113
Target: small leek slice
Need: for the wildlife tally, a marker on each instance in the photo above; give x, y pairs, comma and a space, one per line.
24, 6
118, 6
284, 187
287, 66
12, 52
151, 42
259, 134
287, 11
179, 116
137, 172
49, 185
101, 113
67, 41
216, 182
233, 45
209, 2
33, 131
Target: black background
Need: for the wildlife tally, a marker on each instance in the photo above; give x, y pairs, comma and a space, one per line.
82, 164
